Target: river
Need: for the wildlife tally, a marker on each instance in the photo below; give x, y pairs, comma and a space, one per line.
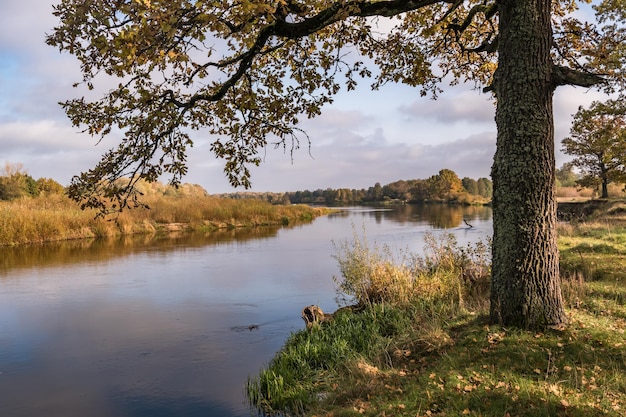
173, 326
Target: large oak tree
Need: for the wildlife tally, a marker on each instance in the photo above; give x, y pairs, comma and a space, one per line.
245, 71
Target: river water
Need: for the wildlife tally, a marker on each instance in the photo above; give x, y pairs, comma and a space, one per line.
174, 326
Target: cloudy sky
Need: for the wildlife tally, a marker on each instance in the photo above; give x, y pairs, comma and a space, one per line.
363, 138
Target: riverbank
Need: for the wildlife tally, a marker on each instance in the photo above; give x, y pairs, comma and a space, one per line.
56, 218
437, 355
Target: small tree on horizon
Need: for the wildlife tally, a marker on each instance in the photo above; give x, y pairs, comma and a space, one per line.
445, 185
15, 182
470, 185
598, 143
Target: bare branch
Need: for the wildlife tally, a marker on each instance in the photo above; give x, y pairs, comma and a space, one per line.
487, 10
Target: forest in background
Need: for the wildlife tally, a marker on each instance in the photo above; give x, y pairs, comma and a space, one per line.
444, 187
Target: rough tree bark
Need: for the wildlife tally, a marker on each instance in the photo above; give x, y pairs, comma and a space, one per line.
526, 284
605, 180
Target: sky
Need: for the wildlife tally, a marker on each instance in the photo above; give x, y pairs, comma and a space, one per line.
364, 137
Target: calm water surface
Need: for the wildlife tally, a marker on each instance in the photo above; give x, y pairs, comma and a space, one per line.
150, 327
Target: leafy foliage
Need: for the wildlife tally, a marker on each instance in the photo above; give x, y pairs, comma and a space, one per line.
244, 74
16, 183
598, 144
442, 187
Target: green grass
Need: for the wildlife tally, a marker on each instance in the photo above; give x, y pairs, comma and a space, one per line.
441, 357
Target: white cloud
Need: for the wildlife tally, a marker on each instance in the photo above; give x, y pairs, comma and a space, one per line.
464, 106
25, 24
41, 136
360, 163
567, 99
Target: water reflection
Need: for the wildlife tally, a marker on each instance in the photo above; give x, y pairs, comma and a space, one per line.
102, 249
152, 326
438, 216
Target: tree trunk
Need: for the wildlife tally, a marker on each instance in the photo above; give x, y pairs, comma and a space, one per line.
526, 290
605, 180
605, 188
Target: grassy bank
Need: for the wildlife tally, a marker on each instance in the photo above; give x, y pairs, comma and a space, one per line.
55, 218
422, 346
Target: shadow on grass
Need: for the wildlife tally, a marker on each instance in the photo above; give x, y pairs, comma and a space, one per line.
491, 371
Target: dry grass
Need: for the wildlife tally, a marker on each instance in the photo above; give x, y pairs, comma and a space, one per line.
406, 309
583, 194
373, 274
56, 218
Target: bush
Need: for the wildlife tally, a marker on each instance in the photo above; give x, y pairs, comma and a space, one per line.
446, 271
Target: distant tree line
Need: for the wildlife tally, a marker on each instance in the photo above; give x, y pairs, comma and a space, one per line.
567, 177
16, 183
274, 198
445, 186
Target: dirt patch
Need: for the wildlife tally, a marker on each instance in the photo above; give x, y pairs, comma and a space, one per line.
174, 227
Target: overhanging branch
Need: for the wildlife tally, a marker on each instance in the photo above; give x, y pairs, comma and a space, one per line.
567, 76
292, 30
340, 10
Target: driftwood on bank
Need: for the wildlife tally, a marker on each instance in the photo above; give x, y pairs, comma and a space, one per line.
315, 315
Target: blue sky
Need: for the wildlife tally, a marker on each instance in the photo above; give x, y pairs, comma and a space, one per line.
363, 138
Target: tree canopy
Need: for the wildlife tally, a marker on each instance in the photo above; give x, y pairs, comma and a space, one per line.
245, 72
598, 143
15, 183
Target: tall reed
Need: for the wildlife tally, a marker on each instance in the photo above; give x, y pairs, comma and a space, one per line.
374, 274
55, 217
